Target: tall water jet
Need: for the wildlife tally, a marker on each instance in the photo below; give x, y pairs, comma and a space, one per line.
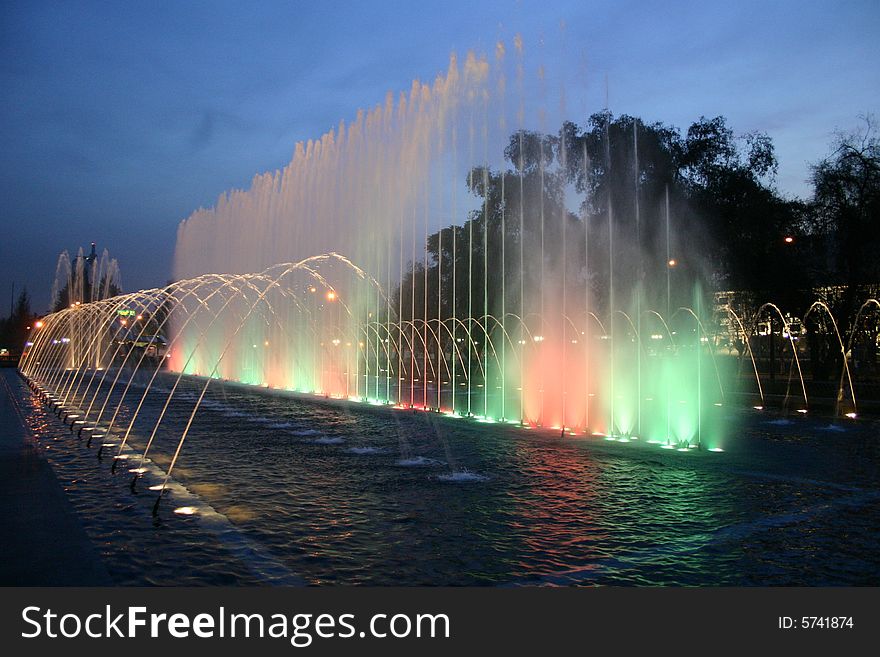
374, 191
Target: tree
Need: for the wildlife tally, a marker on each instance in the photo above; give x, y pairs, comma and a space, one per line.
728, 222
16, 328
843, 226
846, 206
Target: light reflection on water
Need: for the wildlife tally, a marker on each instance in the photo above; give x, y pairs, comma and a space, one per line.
341, 495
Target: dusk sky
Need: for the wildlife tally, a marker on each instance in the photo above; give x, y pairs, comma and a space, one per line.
119, 120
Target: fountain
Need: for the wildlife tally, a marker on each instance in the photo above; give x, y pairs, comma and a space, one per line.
422, 257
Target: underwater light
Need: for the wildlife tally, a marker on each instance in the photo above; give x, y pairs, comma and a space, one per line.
157, 487
137, 470
121, 457
758, 408
851, 416
802, 410
715, 449
185, 510
667, 446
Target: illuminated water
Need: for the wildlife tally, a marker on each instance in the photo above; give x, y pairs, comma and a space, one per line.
330, 494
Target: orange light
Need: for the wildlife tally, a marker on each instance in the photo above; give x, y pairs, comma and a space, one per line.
139, 317
124, 322
672, 262
38, 324
312, 289
331, 295
789, 239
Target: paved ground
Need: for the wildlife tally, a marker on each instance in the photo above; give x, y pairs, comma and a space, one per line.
41, 538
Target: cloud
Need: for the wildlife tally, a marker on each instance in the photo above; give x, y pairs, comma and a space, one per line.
203, 132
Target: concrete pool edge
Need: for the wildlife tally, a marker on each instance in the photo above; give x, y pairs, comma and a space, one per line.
46, 544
